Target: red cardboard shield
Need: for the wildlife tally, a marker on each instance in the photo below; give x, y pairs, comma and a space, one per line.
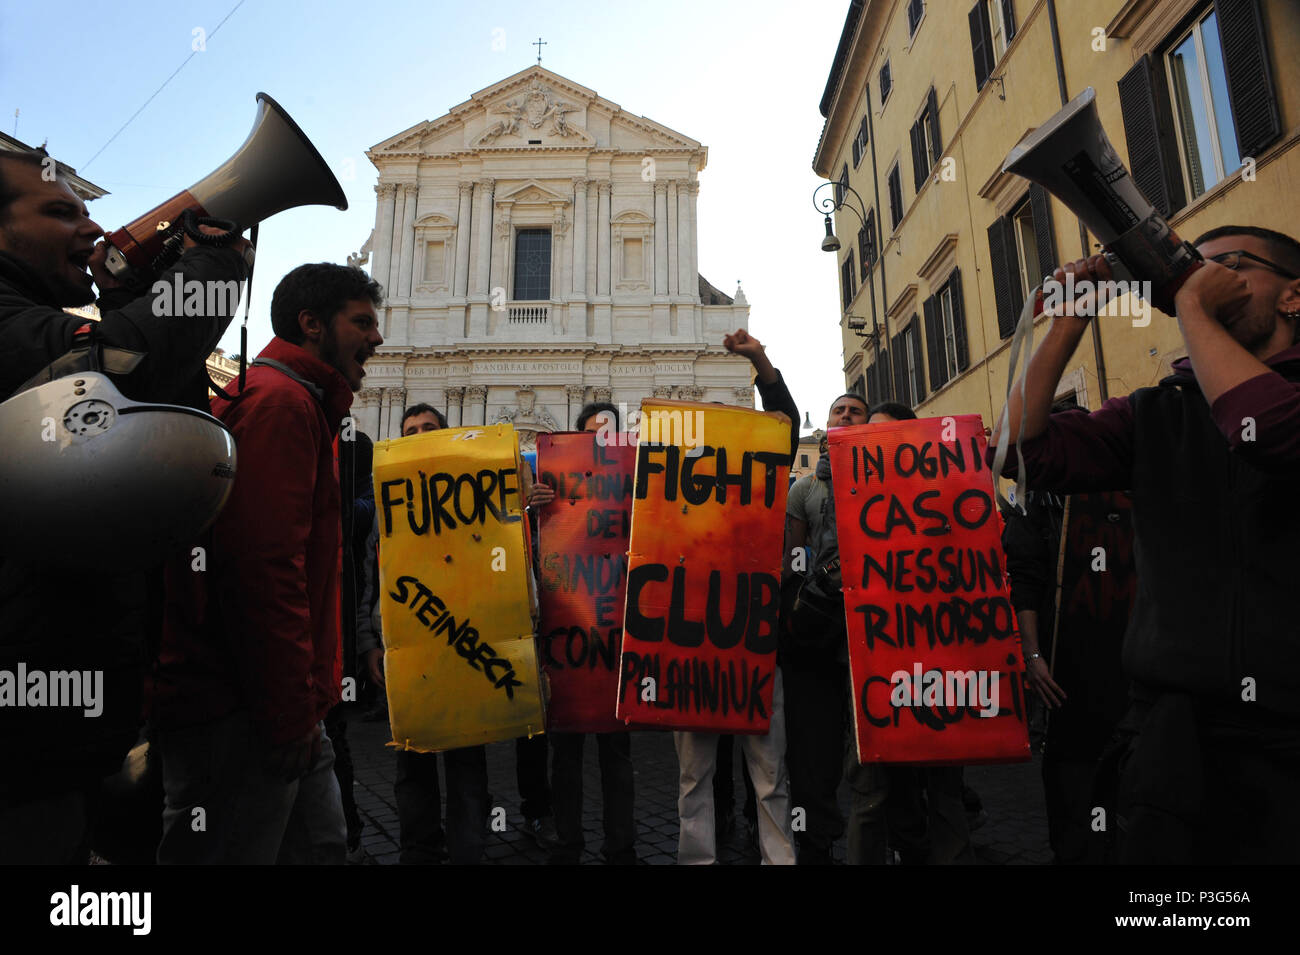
934, 649
582, 548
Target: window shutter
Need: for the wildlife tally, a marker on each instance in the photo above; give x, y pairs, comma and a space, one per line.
1009, 19
1005, 266
959, 321
914, 8
981, 44
873, 393
1044, 235
871, 238
919, 170
864, 262
932, 117
934, 344
915, 331
1250, 79
1145, 108
895, 198
900, 371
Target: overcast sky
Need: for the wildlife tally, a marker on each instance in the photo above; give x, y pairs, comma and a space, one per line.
744, 79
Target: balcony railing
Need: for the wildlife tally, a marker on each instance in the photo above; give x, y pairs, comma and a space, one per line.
530, 314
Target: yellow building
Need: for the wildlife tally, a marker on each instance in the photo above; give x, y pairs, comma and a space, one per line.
1201, 98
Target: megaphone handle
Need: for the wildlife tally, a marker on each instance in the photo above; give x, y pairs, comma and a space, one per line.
248, 296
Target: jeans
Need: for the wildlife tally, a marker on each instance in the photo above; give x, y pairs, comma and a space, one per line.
419, 806
697, 756
816, 716
615, 753
225, 806
530, 776
337, 727
886, 807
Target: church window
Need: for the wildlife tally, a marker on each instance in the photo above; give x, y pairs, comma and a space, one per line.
532, 264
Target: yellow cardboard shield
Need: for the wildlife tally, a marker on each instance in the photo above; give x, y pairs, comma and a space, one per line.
456, 589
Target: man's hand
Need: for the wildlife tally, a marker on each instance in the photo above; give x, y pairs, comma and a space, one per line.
1216, 291
1041, 682
374, 660
740, 342
104, 279
291, 760
1084, 306
540, 494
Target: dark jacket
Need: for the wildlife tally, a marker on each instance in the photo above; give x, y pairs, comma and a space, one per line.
1216, 518
776, 397
96, 619
259, 628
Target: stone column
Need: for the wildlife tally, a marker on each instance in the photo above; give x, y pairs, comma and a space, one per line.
580, 236
481, 252
601, 394
574, 394
366, 412
688, 283
743, 396
673, 243
385, 400
692, 393
475, 395
454, 398
561, 257
395, 259
501, 250
661, 238
412, 192
602, 243
383, 244
592, 205
396, 405
463, 231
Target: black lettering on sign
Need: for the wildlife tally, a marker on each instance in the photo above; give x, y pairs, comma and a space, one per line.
577, 648
698, 488
754, 610
697, 685
444, 499
429, 609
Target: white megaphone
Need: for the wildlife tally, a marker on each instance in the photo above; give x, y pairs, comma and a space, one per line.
1071, 158
276, 168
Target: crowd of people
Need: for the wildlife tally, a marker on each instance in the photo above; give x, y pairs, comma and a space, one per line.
224, 674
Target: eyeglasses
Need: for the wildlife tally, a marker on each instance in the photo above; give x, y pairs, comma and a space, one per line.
1232, 260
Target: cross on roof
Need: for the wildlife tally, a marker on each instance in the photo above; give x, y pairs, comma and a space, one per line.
539, 44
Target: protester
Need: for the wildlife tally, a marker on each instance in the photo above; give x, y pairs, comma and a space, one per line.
249, 660
53, 758
1207, 762
697, 753
419, 796
925, 807
614, 751
814, 653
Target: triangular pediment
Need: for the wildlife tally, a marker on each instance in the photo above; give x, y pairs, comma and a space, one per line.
531, 191
533, 107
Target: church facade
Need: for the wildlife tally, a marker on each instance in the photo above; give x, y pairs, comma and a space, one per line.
537, 247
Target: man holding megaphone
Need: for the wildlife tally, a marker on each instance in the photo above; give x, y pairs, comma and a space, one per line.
1207, 759
88, 621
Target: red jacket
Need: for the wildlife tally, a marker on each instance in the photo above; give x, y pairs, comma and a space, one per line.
259, 627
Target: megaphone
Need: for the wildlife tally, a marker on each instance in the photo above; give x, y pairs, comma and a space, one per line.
276, 168
1071, 158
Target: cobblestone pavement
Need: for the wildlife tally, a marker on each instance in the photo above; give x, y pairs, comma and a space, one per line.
1015, 832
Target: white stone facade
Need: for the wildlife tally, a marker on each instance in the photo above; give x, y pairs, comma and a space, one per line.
623, 318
